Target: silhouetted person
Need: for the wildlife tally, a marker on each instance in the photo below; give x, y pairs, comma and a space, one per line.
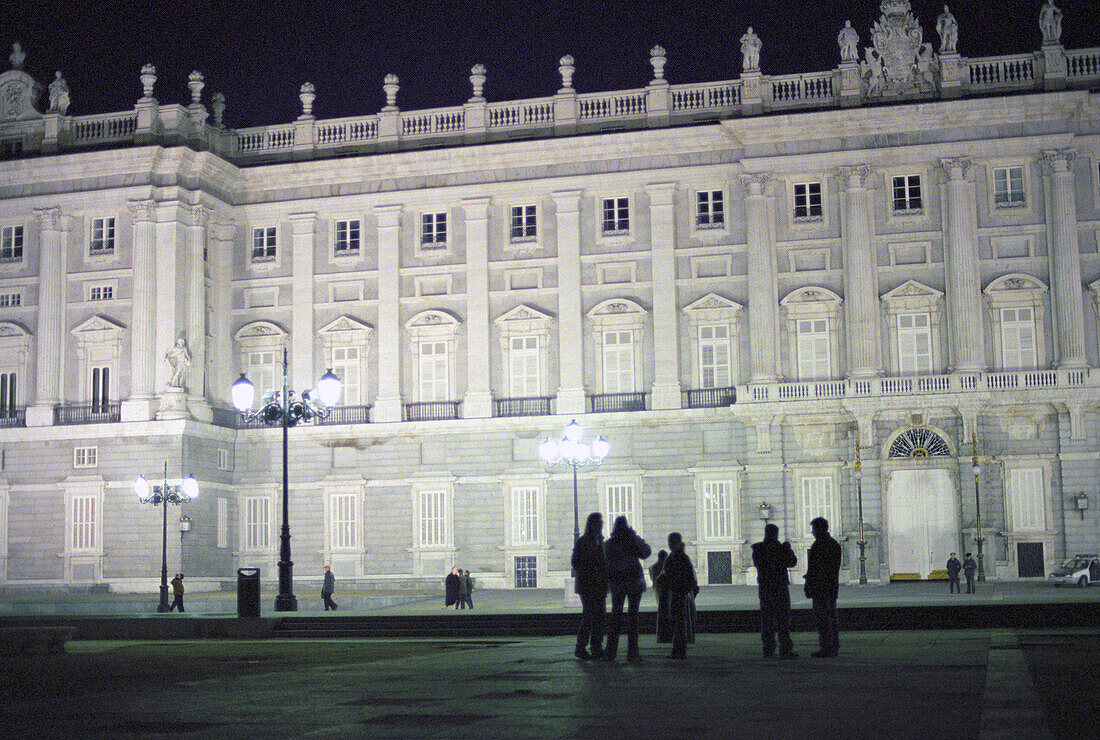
450, 590
664, 624
327, 589
466, 589
627, 581
969, 567
772, 559
953, 568
177, 593
679, 578
590, 564
822, 586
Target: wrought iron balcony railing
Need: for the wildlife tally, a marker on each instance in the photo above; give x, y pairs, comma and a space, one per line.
529, 406
605, 402
97, 413
432, 410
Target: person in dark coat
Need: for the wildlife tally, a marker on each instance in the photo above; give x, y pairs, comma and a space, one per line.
327, 589
953, 568
772, 560
590, 566
625, 549
679, 578
822, 586
466, 589
177, 593
450, 584
463, 589
969, 567
664, 625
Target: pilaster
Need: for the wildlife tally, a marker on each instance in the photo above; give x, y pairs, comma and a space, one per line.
860, 281
53, 229
141, 405
763, 301
478, 402
199, 216
388, 404
963, 278
302, 370
223, 361
666, 352
1065, 258
571, 393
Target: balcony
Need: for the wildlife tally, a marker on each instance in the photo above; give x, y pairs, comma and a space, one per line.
432, 410
529, 406
99, 413
346, 415
13, 418
709, 398
605, 402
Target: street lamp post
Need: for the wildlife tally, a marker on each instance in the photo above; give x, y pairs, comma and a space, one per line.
163, 495
977, 506
859, 499
280, 408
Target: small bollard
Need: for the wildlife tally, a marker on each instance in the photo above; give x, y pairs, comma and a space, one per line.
248, 593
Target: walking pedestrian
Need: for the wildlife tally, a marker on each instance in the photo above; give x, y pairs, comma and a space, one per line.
327, 589
466, 589
969, 567
625, 549
679, 578
450, 590
772, 559
177, 593
664, 625
953, 568
822, 585
590, 566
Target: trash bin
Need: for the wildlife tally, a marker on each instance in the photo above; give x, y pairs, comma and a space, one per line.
248, 592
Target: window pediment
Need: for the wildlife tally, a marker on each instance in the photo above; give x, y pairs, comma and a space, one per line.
1015, 289
346, 328
433, 324
260, 330
713, 308
13, 329
99, 329
811, 301
912, 295
523, 319
618, 312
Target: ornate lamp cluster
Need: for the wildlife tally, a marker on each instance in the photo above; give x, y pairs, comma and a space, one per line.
165, 494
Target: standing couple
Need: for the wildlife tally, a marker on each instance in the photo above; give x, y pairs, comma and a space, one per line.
458, 588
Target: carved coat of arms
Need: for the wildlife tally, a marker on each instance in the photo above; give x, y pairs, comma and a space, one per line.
899, 62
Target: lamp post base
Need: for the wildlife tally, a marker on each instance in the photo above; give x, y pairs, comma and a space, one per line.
862, 563
570, 597
286, 603
162, 607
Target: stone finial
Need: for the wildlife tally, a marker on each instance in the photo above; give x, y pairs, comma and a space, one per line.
566, 68
196, 84
218, 103
390, 86
657, 59
148, 80
307, 95
477, 80
59, 94
17, 56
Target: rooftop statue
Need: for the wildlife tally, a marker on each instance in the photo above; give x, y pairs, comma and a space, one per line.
59, 95
901, 63
1050, 23
750, 51
848, 41
17, 56
948, 29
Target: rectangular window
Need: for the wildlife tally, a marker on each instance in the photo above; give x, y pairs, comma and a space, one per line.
714, 356
907, 197
718, 510
616, 216
344, 522
814, 362
434, 372
523, 366
524, 224
433, 231
262, 369
433, 518
1027, 497
85, 457
263, 244
807, 201
345, 363
525, 516
222, 524
11, 300
817, 500
710, 210
84, 524
346, 242
101, 292
618, 361
11, 244
100, 392
223, 459
103, 237
8, 384
526, 571
914, 344
1008, 187
620, 502
257, 523
1018, 338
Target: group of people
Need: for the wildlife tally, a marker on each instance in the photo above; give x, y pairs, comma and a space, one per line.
458, 589
967, 566
615, 567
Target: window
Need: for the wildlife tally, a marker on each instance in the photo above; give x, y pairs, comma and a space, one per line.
525, 516
11, 244
907, 196
618, 361
263, 244
221, 524
616, 216
102, 240
1008, 187
526, 571
523, 366
101, 292
346, 242
10, 300
620, 502
85, 457
813, 349
714, 356
914, 344
8, 384
84, 529
257, 523
223, 459
433, 518
710, 212
1026, 492
434, 371
261, 369
344, 522
345, 364
817, 500
1018, 338
807, 201
718, 512
524, 224
433, 231
100, 391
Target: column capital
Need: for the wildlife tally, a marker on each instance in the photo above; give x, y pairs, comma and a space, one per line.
661, 193
956, 168
142, 210
303, 222
388, 216
567, 201
51, 219
199, 215
855, 175
755, 182
1058, 160
477, 208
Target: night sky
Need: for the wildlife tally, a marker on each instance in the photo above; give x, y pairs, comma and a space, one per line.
259, 53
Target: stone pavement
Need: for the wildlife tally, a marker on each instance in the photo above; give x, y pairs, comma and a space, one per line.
964, 683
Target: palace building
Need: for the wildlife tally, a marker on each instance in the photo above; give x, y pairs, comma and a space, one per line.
869, 293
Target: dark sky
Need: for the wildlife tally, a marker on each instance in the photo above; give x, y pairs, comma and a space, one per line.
258, 53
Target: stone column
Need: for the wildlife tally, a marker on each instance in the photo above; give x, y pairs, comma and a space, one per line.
666, 339
860, 277
302, 335
141, 405
478, 402
388, 404
763, 299
964, 286
1065, 258
571, 394
53, 229
196, 313
223, 361
170, 235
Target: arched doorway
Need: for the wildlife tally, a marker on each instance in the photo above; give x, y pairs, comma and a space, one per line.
922, 521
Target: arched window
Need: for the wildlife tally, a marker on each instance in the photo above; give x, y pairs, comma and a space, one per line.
919, 442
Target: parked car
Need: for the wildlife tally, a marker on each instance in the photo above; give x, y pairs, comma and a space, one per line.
1080, 570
